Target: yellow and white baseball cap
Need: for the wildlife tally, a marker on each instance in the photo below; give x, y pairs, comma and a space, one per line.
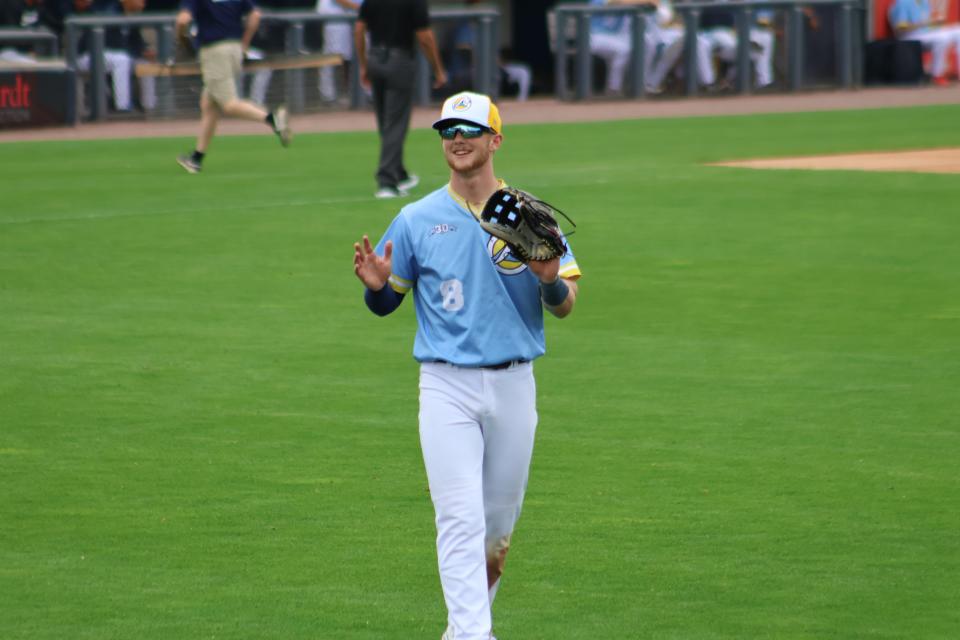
474, 108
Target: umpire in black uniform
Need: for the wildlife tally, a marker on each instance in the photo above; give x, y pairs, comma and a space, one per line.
396, 27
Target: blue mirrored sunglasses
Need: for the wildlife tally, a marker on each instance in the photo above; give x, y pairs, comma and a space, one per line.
466, 130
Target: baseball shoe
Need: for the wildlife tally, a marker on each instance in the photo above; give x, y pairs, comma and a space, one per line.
412, 181
281, 124
188, 163
448, 635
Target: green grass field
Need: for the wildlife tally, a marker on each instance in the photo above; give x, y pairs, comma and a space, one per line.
749, 426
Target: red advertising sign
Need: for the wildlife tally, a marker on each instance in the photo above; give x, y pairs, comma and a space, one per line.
37, 97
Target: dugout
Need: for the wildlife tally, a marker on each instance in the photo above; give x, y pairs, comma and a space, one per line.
572, 24
888, 60
292, 84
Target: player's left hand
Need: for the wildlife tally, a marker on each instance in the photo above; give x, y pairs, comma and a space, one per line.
545, 270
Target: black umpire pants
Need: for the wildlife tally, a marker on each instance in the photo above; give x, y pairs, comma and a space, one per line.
392, 74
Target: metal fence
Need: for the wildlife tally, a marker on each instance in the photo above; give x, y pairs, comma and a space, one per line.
41, 40
570, 30
178, 97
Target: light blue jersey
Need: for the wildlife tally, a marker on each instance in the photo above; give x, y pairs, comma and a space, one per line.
609, 23
476, 304
905, 13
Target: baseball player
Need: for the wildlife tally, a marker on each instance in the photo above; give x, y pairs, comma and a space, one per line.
337, 39
718, 27
665, 35
610, 39
914, 20
479, 327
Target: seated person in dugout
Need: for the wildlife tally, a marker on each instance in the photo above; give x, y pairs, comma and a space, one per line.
664, 41
913, 20
117, 58
719, 25
515, 77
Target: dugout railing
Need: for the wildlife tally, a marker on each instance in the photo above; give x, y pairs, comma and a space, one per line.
294, 91
570, 27
40, 40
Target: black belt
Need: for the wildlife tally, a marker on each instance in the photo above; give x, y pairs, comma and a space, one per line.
380, 50
494, 367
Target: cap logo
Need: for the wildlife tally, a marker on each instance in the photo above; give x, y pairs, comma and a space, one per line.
463, 104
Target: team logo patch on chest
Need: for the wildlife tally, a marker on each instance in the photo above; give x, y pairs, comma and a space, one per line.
505, 262
442, 228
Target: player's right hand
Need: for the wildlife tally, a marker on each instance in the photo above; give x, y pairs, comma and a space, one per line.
373, 270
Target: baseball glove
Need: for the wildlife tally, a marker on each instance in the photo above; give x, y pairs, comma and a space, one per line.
525, 223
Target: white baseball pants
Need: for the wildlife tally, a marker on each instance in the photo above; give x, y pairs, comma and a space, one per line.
615, 51
938, 41
119, 66
520, 74
672, 39
476, 432
724, 41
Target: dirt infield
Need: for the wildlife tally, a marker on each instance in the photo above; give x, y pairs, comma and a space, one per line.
922, 161
531, 111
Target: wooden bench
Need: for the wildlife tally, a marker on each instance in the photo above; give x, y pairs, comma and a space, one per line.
159, 69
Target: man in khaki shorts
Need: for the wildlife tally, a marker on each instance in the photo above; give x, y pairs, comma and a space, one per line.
224, 31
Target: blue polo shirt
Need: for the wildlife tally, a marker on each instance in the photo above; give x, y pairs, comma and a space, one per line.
218, 20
